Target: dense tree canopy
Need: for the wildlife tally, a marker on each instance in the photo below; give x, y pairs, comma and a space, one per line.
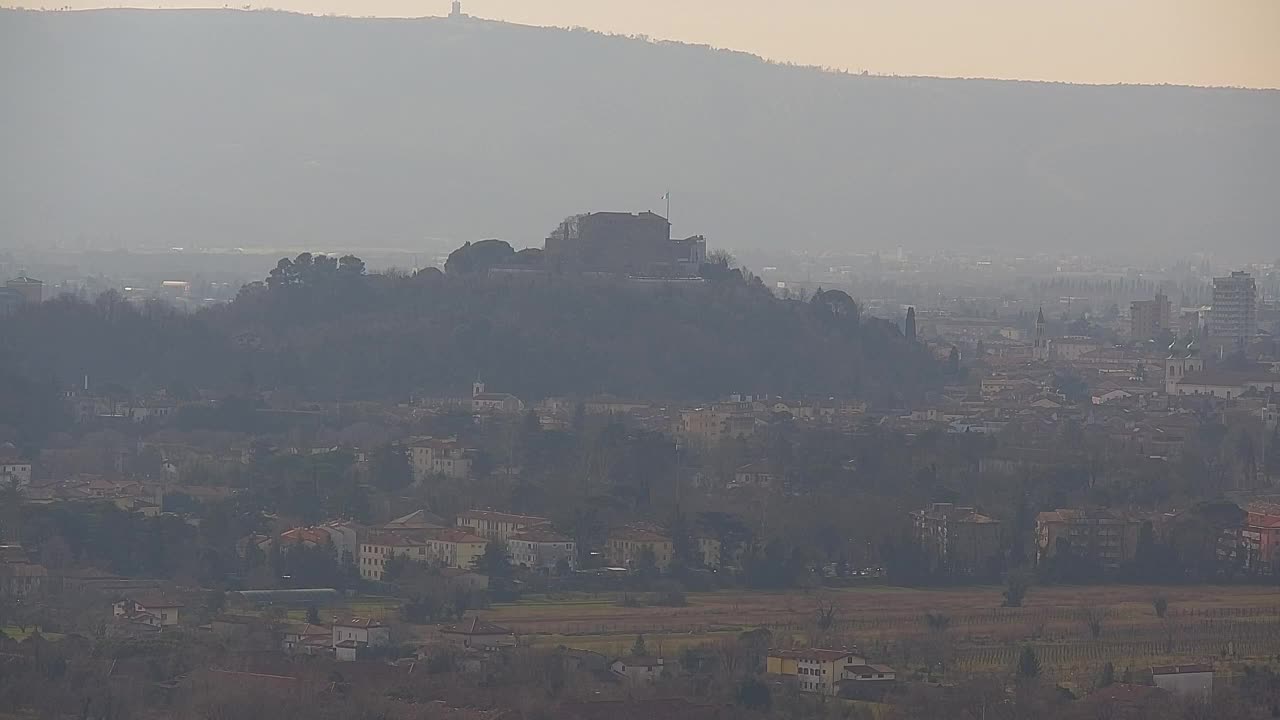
322, 327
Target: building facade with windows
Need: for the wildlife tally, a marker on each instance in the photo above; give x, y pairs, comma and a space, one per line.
815, 670
1234, 316
497, 526
957, 539
1105, 536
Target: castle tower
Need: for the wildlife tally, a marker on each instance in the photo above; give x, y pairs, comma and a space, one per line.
477, 387
1041, 352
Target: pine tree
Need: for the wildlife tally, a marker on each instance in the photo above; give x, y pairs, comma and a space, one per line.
1108, 675
1028, 663
911, 324
1272, 460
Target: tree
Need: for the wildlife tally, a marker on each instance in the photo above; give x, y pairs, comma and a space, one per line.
937, 622
754, 694
475, 258
1272, 460
646, 563
1016, 586
953, 361
462, 601
390, 468
1246, 457
313, 615
1093, 620
215, 601
1028, 664
910, 330
350, 266
496, 560
638, 648
721, 257
939, 644
421, 608
394, 568
1108, 676
1160, 604
670, 593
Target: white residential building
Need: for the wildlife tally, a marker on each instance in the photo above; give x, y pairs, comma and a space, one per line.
542, 549
638, 670
1188, 681
13, 470
148, 609
431, 456
351, 635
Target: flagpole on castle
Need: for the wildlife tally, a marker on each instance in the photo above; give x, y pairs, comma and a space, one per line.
668, 197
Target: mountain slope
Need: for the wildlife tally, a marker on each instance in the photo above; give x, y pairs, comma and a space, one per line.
226, 128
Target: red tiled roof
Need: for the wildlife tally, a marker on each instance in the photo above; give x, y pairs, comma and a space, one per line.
392, 539
634, 534
540, 535
453, 535
1180, 669
501, 517
815, 654
305, 535
151, 600
475, 626
641, 661
356, 622
869, 669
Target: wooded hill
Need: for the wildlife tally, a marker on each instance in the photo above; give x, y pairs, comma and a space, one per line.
330, 332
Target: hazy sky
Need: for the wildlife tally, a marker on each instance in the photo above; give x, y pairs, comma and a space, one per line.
1193, 42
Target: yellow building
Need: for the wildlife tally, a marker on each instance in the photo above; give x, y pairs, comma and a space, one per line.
454, 547
379, 547
450, 547
627, 546
815, 670
497, 525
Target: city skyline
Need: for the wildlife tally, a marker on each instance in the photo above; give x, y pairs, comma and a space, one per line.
1190, 42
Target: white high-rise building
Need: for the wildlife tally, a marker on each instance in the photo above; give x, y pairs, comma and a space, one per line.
1234, 315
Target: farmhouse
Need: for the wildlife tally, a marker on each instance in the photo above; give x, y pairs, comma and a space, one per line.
815, 670
478, 634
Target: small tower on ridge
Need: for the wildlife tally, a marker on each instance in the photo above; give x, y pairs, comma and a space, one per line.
456, 12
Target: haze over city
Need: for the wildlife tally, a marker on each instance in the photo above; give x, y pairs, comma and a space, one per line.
614, 360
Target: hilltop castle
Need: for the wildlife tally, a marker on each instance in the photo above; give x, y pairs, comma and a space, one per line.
623, 243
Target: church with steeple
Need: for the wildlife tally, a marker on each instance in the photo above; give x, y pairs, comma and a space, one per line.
1041, 351
1184, 357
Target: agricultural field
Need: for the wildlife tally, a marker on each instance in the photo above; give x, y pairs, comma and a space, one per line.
1075, 630
14, 632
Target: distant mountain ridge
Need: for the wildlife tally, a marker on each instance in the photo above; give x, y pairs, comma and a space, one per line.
229, 128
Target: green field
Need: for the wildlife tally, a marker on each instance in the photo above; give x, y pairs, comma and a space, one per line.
13, 632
